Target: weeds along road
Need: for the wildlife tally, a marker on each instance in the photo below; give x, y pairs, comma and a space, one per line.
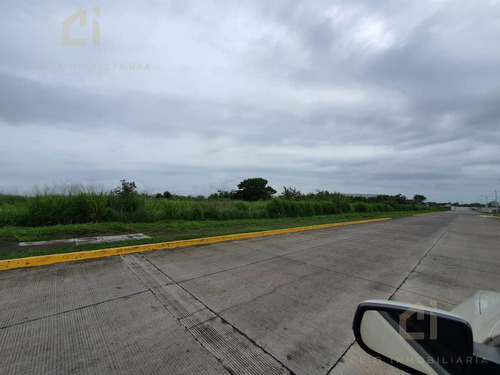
273, 305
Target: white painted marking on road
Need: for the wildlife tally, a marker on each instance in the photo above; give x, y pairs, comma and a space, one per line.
87, 240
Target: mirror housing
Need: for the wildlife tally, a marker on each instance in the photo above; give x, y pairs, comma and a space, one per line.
416, 339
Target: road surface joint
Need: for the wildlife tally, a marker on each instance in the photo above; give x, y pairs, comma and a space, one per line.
399, 287
234, 350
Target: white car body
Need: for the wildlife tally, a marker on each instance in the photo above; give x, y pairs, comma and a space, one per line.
482, 311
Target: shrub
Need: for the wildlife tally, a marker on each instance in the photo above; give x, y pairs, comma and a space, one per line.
275, 208
242, 206
196, 214
330, 208
318, 208
344, 206
238, 214
305, 209
171, 210
361, 207
211, 214
290, 209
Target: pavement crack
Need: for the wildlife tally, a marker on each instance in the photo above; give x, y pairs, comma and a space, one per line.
424, 256
340, 358
226, 269
286, 256
341, 273
274, 290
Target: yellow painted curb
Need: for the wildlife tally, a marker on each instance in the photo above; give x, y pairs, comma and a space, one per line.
432, 213
93, 254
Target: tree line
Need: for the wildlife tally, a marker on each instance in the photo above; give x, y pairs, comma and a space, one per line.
257, 189
253, 199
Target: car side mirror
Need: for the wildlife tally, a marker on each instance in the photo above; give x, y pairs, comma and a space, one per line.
416, 339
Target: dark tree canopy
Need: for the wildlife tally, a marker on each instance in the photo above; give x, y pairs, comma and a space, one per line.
419, 198
126, 188
254, 189
166, 194
290, 193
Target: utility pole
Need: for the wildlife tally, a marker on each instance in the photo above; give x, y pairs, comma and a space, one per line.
496, 201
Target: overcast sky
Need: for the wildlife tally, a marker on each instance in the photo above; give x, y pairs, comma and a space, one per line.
194, 96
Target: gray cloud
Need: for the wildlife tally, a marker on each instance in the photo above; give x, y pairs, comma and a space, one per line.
352, 96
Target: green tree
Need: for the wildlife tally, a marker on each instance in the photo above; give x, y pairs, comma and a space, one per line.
290, 193
401, 199
127, 199
254, 189
419, 198
126, 189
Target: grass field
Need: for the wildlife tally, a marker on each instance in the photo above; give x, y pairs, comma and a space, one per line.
163, 231
97, 207
80, 212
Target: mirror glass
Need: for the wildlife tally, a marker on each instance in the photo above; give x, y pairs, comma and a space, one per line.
418, 339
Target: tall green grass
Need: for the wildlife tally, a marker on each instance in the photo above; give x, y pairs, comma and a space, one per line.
78, 206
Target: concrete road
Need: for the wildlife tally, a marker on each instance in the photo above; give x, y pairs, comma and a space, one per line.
273, 305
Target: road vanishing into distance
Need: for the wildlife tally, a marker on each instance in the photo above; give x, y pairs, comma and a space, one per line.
272, 305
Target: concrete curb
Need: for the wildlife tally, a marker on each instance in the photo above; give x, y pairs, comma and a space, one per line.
94, 254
